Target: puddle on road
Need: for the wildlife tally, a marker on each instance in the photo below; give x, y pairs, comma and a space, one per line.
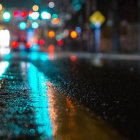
44, 112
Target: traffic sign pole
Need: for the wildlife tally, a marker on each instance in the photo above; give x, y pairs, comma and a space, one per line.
97, 39
97, 19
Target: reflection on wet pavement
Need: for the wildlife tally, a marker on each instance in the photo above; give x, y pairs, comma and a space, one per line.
31, 108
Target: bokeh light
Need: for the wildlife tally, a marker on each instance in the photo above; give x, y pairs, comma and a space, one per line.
55, 21
78, 30
6, 16
51, 34
73, 34
73, 58
51, 49
41, 42
34, 25
35, 8
14, 44
1, 7
34, 15
54, 16
51, 4
16, 13
22, 25
28, 44
60, 42
45, 15
23, 14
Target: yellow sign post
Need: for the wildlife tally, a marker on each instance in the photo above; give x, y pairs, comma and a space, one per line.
97, 19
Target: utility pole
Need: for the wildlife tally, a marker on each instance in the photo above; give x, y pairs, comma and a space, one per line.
116, 35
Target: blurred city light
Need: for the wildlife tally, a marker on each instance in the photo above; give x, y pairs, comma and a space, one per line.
78, 30
66, 33
41, 42
45, 15
3, 67
28, 44
14, 44
22, 25
51, 34
6, 16
4, 38
35, 8
34, 25
73, 58
34, 15
51, 4
60, 42
16, 13
78, 7
36, 42
55, 20
54, 16
59, 36
23, 14
51, 49
30, 12
73, 34
1, 7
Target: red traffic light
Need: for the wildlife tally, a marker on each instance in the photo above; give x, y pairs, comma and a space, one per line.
14, 44
23, 14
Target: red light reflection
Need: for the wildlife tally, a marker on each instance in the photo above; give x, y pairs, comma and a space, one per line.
73, 58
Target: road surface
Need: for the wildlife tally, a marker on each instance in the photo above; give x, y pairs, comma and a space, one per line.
44, 97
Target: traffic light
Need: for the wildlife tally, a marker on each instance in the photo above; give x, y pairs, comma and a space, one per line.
6, 16
22, 25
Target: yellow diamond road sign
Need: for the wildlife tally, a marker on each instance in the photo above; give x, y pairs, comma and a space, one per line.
97, 17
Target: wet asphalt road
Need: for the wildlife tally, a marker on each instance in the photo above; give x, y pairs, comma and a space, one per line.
63, 99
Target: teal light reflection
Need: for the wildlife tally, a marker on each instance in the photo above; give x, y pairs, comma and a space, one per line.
37, 83
34, 55
3, 68
44, 56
